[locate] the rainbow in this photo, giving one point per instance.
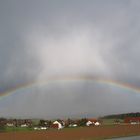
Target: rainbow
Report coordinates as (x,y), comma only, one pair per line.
(33,84)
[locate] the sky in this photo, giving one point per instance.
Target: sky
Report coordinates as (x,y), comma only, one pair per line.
(51,46)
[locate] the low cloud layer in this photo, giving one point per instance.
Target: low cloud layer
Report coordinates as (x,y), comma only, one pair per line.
(42,40)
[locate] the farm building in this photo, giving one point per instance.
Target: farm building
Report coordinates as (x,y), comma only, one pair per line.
(97,123)
(132,120)
(10,123)
(58,124)
(92,122)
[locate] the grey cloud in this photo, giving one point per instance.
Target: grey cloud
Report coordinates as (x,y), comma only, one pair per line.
(40,40)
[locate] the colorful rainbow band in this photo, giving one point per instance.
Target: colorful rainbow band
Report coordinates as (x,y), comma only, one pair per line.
(71,78)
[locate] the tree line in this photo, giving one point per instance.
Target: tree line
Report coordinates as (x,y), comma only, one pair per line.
(121,116)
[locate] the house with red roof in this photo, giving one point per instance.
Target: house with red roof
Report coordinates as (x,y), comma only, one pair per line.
(132,120)
(92,122)
(59,124)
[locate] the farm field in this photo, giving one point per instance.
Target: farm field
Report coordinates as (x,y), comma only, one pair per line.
(81,133)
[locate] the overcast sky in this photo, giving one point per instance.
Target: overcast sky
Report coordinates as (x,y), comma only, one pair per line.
(41,40)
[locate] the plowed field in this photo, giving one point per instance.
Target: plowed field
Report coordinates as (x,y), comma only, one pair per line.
(85,133)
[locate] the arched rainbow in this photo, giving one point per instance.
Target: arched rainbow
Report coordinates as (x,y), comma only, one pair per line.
(33,84)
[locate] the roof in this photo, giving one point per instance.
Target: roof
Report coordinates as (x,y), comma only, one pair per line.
(132,118)
(92,120)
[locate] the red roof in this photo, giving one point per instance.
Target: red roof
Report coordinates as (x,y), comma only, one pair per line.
(54,126)
(131,119)
(93,120)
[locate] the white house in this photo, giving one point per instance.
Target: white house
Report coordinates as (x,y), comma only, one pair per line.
(24,125)
(93,122)
(57,124)
(10,124)
(43,128)
(97,124)
(89,123)
(37,128)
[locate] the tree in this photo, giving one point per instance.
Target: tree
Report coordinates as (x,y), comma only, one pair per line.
(2,124)
(42,123)
(82,122)
(69,122)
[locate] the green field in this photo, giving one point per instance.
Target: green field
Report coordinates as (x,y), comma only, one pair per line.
(109,121)
(9,129)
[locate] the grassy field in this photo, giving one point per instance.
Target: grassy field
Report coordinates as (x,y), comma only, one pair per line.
(10,129)
(109,121)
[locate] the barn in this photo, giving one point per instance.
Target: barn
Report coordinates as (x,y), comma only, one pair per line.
(92,122)
(132,120)
(57,125)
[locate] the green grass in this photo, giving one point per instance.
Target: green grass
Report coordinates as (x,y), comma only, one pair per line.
(10,129)
(109,121)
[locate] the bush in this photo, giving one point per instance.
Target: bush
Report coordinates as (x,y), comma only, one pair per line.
(2,128)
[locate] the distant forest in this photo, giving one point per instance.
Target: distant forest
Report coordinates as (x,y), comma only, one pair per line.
(121,116)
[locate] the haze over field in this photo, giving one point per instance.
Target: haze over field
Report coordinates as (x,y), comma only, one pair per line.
(59,45)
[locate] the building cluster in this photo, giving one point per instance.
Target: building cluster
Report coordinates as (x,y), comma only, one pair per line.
(16,122)
(60,124)
(49,124)
(132,120)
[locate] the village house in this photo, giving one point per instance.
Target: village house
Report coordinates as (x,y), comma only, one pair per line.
(132,120)
(43,128)
(97,123)
(92,122)
(19,122)
(40,128)
(24,125)
(37,127)
(10,123)
(59,124)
